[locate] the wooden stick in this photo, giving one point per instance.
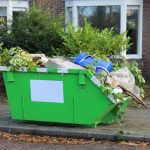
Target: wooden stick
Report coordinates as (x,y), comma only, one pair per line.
(133,96)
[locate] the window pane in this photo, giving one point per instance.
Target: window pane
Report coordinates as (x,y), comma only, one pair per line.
(3,11)
(132,28)
(3,14)
(15,15)
(69,14)
(100,16)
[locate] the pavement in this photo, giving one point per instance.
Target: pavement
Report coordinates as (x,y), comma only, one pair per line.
(135,127)
(19,145)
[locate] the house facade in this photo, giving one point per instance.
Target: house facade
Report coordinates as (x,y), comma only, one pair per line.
(124,15)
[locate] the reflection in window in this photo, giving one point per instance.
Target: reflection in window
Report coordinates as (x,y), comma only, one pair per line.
(132,28)
(100,16)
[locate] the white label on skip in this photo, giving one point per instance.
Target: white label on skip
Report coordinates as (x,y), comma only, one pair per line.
(47,91)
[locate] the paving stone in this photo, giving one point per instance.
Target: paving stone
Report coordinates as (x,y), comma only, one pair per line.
(18,145)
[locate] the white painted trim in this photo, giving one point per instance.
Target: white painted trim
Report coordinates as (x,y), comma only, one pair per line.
(75,15)
(18,9)
(95,81)
(68,4)
(21,4)
(134,56)
(4,3)
(9,13)
(140,30)
(96,2)
(123,18)
(62,70)
(134,2)
(40,69)
(111,98)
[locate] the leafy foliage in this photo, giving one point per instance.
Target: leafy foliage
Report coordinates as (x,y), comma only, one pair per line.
(4,56)
(21,58)
(16,58)
(80,39)
(36,30)
(135,69)
(139,79)
(95,41)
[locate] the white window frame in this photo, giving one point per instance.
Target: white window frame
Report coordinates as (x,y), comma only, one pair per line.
(14,5)
(123,20)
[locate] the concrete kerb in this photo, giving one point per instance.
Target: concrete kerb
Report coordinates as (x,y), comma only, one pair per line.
(65,132)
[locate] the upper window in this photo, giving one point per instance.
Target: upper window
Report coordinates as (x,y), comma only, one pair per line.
(10,9)
(120,15)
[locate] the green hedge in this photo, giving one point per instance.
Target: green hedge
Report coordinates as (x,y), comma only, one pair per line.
(36,30)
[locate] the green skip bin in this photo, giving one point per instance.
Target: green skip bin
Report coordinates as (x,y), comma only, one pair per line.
(60,95)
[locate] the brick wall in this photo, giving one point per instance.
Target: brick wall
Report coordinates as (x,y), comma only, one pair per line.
(57,6)
(146,40)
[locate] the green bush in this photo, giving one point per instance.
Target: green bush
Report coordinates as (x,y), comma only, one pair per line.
(36,30)
(139,79)
(94,41)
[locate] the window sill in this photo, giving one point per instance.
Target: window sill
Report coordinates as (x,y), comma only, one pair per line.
(137,56)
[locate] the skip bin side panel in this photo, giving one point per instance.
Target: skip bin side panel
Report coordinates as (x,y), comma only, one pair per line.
(83,103)
(91,104)
(49,111)
(14,94)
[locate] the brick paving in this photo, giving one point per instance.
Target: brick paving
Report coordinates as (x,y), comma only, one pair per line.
(18,145)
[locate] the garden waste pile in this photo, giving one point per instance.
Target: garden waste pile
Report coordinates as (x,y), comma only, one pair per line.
(119,84)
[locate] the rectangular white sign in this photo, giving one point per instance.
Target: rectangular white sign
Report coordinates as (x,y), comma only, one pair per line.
(47,91)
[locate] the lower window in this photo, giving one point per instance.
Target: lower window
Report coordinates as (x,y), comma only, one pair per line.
(133,28)
(3,15)
(100,16)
